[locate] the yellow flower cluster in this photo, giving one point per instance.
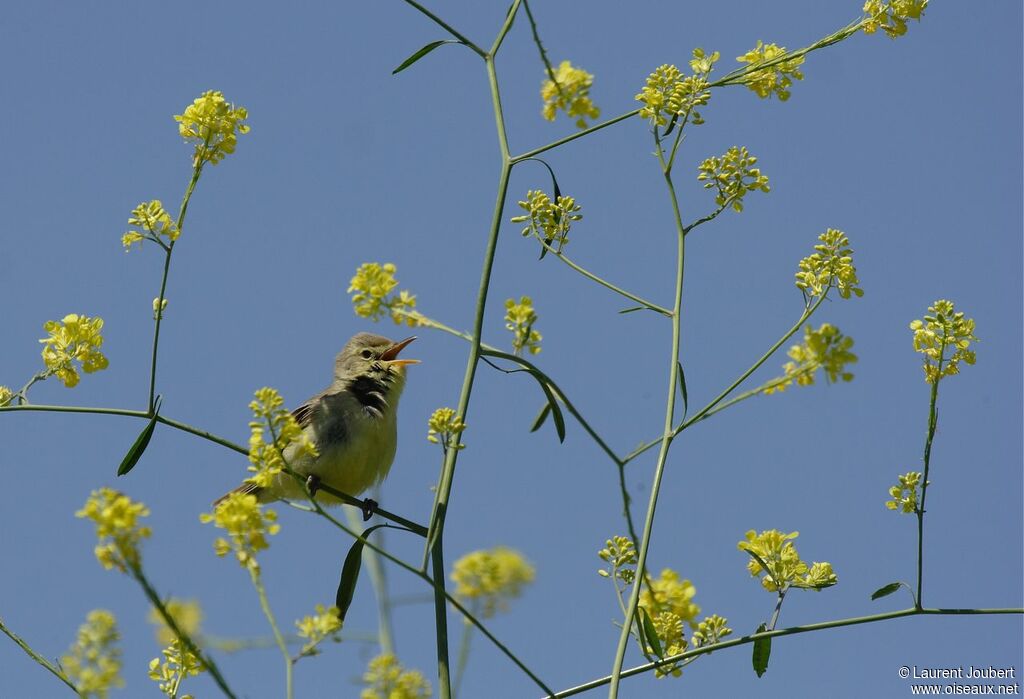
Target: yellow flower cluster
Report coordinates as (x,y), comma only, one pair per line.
(519,318)
(668,94)
(247,526)
(266,459)
(669,629)
(669,593)
(825,348)
(571,94)
(446,428)
(489,579)
(93,663)
(318,627)
(891,17)
(831,266)
(187,614)
(548,221)
(74,339)
(387,679)
(620,555)
(775,79)
(178,663)
(733,175)
(155,223)
(773,553)
(943,328)
(159,306)
(710,631)
(371,294)
(5,395)
(213,124)
(117,528)
(904,493)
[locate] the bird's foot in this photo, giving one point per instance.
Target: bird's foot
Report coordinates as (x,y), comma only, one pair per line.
(369,507)
(312,484)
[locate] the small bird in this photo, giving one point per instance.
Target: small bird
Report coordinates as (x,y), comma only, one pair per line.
(352,423)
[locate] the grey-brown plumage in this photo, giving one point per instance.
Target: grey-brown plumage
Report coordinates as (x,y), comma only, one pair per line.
(352,423)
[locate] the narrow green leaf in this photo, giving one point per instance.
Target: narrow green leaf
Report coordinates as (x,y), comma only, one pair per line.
(141,442)
(650,632)
(632,309)
(556,410)
(682,387)
(885,591)
(762,651)
(541,418)
(421,53)
(350,574)
(671,125)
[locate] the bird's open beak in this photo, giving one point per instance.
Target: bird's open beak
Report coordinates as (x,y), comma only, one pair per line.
(391,353)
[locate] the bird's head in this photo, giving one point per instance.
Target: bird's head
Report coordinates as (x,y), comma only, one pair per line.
(372,356)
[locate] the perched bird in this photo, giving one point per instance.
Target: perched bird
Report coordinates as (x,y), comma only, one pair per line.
(352,423)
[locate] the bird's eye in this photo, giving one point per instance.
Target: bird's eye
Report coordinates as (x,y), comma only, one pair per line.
(366,354)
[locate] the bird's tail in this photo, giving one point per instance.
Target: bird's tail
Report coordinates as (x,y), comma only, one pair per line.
(245,489)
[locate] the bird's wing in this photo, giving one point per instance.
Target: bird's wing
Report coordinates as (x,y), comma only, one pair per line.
(246,488)
(304,413)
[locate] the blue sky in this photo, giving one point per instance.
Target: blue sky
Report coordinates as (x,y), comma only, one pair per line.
(912,147)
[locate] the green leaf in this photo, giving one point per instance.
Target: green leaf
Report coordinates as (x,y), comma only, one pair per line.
(632,309)
(141,442)
(886,590)
(762,651)
(421,53)
(556,410)
(350,574)
(682,387)
(541,418)
(651,634)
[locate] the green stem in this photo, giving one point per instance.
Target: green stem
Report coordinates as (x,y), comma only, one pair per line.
(172,624)
(197,170)
(436,526)
(778,609)
(444,687)
(606,284)
(543,54)
(510,18)
(709,409)
(37,657)
(721,645)
(463,658)
(447,27)
(933,421)
(257,582)
(667,434)
(572,137)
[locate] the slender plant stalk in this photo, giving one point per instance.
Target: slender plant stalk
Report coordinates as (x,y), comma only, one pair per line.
(605,283)
(933,421)
(197,170)
(462,660)
(668,432)
(434,549)
(172,624)
(540,47)
(710,408)
(57,672)
(282,645)
(731,643)
(778,609)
